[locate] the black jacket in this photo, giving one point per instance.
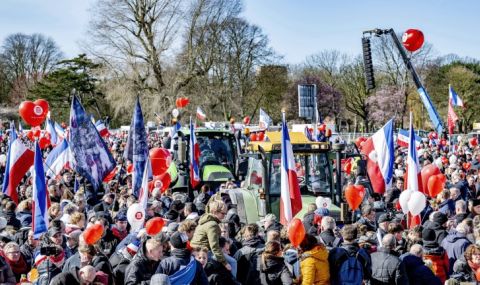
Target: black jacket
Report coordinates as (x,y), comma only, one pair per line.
(67,278)
(273,271)
(247,272)
(387,268)
(99,261)
(179,258)
(440,231)
(119,261)
(329,239)
(338,255)
(308,219)
(141,269)
(217,274)
(417,272)
(12,220)
(43,272)
(6,274)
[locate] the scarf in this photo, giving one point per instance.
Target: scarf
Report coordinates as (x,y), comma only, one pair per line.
(19,267)
(118,234)
(474,267)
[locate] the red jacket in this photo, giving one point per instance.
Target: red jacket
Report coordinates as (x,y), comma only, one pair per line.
(439,259)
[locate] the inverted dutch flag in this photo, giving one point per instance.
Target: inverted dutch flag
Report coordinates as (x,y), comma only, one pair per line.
(264,120)
(201,114)
(403,139)
(19,160)
(58,159)
(308,134)
(454,98)
(290,197)
(143,191)
(60,131)
(379,150)
(194,157)
(39,194)
(413,166)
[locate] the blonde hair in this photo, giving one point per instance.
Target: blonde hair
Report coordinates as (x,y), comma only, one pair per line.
(76,217)
(9,245)
(24,205)
(217,206)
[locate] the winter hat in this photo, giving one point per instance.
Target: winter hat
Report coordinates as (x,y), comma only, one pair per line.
(429,238)
(179,240)
(440,218)
(475,202)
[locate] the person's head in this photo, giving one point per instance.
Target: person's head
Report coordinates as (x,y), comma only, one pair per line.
(472,254)
(78,219)
(201,255)
(311,207)
(154,249)
(399,183)
(388,241)
(308,242)
(444,195)
(463,228)
(189,208)
(224,245)
(273,235)
(87,274)
(417,250)
(349,233)
(108,198)
(328,223)
(368,212)
(251,231)
(273,248)
(383,221)
(415,233)
(31,240)
(55,211)
(67,177)
(396,230)
(218,209)
(56,235)
(188,227)
(455,177)
(12,251)
(454,193)
(269,220)
(460,207)
(73,238)
(86,252)
(224,230)
(121,222)
(205,188)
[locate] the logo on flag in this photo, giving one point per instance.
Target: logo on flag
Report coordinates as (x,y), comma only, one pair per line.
(290,197)
(39,194)
(19,160)
(194,157)
(92,158)
(379,150)
(137,147)
(201,114)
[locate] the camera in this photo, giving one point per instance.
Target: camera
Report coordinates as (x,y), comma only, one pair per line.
(49,250)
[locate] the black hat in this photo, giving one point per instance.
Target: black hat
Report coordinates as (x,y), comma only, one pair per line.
(177,205)
(121,217)
(179,240)
(475,202)
(384,218)
(440,218)
(171,215)
(428,235)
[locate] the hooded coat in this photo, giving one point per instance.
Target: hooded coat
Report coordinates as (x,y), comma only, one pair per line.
(141,269)
(455,245)
(273,271)
(207,235)
(417,272)
(314,266)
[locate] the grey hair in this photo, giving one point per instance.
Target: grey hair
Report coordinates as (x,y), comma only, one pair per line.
(388,241)
(461,205)
(328,223)
(416,250)
(463,228)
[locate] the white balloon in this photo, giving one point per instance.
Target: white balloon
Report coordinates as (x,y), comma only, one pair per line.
(175,113)
(323,202)
(136,216)
(403,200)
(453,159)
(416,203)
(459,138)
(439,163)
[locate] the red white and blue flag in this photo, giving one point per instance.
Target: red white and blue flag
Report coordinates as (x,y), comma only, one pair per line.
(102,129)
(143,191)
(290,196)
(194,157)
(379,150)
(403,139)
(19,160)
(60,131)
(201,114)
(454,98)
(58,159)
(39,195)
(50,129)
(414,177)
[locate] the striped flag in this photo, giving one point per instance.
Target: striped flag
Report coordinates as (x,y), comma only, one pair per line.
(264,120)
(194,157)
(454,98)
(58,159)
(102,129)
(414,178)
(403,139)
(39,195)
(290,197)
(201,114)
(19,160)
(50,129)
(143,191)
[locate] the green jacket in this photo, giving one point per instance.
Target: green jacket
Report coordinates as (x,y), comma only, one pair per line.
(207,235)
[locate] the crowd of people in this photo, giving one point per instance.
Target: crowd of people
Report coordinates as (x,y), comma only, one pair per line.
(204,241)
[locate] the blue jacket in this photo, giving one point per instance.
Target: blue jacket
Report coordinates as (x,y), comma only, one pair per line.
(417,272)
(447,207)
(179,259)
(455,245)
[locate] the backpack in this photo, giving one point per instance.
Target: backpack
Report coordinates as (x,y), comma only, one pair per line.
(351,270)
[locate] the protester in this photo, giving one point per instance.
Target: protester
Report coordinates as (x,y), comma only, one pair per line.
(15,259)
(435,254)
(387,268)
(145,262)
(272,267)
(456,243)
(82,276)
(314,265)
(246,257)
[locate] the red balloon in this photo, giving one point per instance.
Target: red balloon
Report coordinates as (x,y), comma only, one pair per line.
(260,136)
(354,195)
(253,137)
(477,274)
(154,226)
(426,173)
(322,127)
(33,113)
(412,39)
(160,159)
(93,234)
(473,142)
(359,141)
(165,180)
(467,166)
(182,102)
(30,135)
(43,142)
(246,120)
(347,168)
(436,183)
(444,160)
(36,133)
(296,232)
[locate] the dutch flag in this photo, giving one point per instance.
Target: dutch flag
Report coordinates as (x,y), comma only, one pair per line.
(413,166)
(194,157)
(454,98)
